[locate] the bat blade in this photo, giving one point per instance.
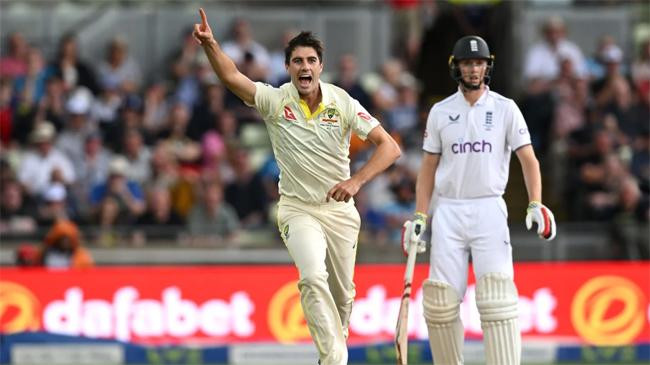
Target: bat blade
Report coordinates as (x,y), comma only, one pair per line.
(401,334)
(401,331)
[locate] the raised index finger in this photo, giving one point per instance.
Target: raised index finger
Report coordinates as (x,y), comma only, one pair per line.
(204,18)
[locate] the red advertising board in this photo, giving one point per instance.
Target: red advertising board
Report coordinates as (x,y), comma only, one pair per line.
(598,303)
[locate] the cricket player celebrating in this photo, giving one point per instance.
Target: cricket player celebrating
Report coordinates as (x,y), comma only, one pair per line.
(310,123)
(467,145)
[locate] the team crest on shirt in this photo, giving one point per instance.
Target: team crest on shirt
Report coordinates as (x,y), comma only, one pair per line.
(288,114)
(329,119)
(488,121)
(330,115)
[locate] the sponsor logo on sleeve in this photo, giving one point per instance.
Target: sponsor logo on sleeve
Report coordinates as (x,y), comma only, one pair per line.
(288,114)
(364,116)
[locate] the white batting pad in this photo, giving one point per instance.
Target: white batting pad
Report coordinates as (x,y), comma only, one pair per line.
(441,313)
(496,299)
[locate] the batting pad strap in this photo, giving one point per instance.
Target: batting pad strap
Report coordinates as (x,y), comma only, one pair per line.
(496,297)
(441,303)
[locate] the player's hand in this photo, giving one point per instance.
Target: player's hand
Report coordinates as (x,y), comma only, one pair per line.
(407,238)
(542,216)
(419,226)
(202,32)
(344,190)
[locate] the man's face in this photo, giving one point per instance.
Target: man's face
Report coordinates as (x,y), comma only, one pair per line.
(305,68)
(473,71)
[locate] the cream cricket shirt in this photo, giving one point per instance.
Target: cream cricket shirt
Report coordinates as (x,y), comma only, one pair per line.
(474,143)
(311,149)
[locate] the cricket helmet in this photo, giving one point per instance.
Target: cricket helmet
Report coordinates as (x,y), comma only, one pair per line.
(470,47)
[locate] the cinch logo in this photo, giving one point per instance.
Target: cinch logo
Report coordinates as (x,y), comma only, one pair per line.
(608,310)
(469,147)
(19,308)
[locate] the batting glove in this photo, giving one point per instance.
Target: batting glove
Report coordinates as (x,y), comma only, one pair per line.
(419,226)
(408,235)
(540,214)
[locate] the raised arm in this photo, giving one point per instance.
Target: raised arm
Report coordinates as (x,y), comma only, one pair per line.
(222,65)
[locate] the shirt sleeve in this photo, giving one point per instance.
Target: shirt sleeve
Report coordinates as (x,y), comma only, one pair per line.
(517,134)
(266,96)
(432,142)
(361,121)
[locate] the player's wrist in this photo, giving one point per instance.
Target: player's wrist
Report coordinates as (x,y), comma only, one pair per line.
(420,215)
(534,204)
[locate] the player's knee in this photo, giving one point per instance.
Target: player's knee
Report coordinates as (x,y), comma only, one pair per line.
(312,279)
(441,302)
(496,297)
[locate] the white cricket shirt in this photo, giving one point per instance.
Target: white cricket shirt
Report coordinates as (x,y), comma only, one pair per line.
(474,143)
(312,150)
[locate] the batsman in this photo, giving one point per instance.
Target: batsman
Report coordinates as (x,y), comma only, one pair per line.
(468,141)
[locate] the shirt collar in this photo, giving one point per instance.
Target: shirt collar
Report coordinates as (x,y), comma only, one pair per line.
(481,100)
(327,97)
(325,101)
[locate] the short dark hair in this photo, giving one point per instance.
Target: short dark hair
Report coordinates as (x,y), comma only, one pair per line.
(304,39)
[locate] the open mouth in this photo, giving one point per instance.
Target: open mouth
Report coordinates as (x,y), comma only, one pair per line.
(304,80)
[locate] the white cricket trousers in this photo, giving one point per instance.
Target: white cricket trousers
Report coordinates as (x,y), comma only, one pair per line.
(322,240)
(462,226)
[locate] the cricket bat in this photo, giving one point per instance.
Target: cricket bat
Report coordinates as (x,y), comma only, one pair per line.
(401,332)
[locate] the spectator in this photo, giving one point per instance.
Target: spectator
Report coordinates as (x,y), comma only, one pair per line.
(156,109)
(277,68)
(640,163)
(118,69)
(138,156)
(117,201)
(30,88)
(251,58)
(54,205)
(402,205)
(166,172)
(213,153)
(53,105)
(14,63)
(185,150)
(45,164)
(385,95)
(348,80)
(402,118)
(68,67)
(159,220)
(247,193)
(542,63)
(212,221)
(6,112)
(207,113)
(91,170)
(603,88)
(595,64)
(17,211)
(641,72)
(129,117)
(72,139)
(62,247)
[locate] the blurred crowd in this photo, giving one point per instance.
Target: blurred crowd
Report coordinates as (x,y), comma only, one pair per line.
(182,158)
